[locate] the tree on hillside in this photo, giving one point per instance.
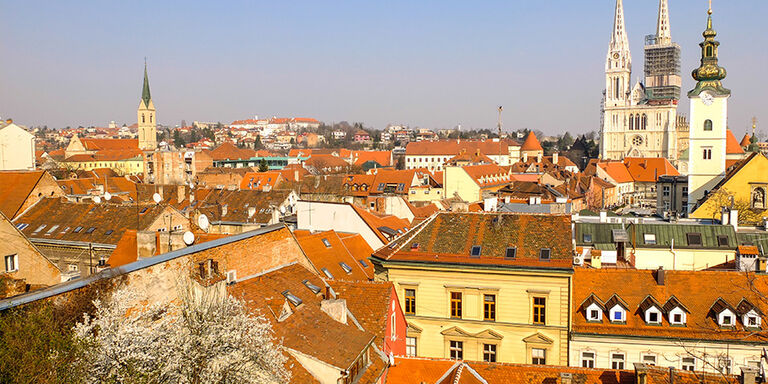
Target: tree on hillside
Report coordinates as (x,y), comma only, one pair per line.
(206,336)
(263,166)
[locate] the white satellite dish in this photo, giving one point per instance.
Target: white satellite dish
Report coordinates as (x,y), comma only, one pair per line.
(97,199)
(107,196)
(202,222)
(188,238)
(157,198)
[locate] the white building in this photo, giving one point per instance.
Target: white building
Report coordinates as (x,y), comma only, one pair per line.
(17,148)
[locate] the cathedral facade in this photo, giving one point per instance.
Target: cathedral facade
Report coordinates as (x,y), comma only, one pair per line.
(641,120)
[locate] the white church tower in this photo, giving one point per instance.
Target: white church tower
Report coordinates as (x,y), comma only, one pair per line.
(709,120)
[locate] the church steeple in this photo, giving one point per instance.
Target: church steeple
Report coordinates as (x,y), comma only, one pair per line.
(663,34)
(709,74)
(619,40)
(145,91)
(618,63)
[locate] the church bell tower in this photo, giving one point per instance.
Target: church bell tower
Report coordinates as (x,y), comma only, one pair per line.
(146,118)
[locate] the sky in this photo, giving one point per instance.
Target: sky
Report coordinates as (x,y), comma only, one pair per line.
(431,64)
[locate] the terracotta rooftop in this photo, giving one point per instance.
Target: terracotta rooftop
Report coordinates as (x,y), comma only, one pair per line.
(106,155)
(109,144)
(260,181)
(746,140)
(369,302)
(498,239)
(454,147)
(126,250)
(698,292)
(617,171)
(242,207)
(488,175)
(384,158)
(228,151)
(531,143)
(732,146)
(648,169)
(385,227)
(15,187)
(330,256)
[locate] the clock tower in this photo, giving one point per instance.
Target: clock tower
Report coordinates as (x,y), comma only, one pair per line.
(709,121)
(146,117)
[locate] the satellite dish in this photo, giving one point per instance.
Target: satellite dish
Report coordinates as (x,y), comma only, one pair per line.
(97,199)
(282,210)
(107,196)
(157,198)
(191,185)
(188,238)
(202,222)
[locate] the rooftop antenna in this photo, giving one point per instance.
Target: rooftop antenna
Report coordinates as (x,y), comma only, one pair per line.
(754,125)
(499,124)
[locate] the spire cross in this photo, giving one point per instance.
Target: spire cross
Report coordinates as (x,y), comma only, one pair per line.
(710,7)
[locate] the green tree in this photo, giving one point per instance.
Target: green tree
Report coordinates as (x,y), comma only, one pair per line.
(178,141)
(263,166)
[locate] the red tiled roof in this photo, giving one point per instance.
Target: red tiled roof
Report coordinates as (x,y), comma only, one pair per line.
(326,161)
(228,151)
(109,144)
(732,146)
(377,223)
(126,251)
(381,157)
(106,155)
(369,302)
(15,187)
(746,141)
(531,143)
(486,175)
(617,171)
(260,181)
(696,290)
(359,249)
(330,256)
(648,169)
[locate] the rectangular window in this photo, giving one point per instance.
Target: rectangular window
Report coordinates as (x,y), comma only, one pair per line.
(489,353)
(688,364)
(544,254)
(410,346)
(456,304)
(11,263)
(617,361)
(511,253)
(588,359)
(410,301)
(587,237)
(722,241)
(326,243)
(489,307)
(457,350)
(539,310)
(724,365)
(538,356)
(665,190)
(649,359)
(649,238)
(707,153)
(694,239)
(475,252)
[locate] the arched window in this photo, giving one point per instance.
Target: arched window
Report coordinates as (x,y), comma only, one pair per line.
(142,118)
(150,117)
(631,122)
(645,121)
(637,121)
(707,125)
(709,51)
(758,198)
(616,88)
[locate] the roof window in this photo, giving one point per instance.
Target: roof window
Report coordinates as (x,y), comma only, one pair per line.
(587,237)
(649,238)
(345,267)
(380,187)
(22,226)
(363,263)
(694,239)
(292,298)
(40,228)
(545,254)
(50,230)
(511,253)
(327,273)
(326,243)
(475,252)
(401,187)
(77,229)
(108,232)
(90,230)
(143,210)
(722,241)
(312,287)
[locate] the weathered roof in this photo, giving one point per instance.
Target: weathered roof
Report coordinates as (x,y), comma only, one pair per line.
(369,302)
(664,234)
(326,250)
(15,187)
(228,151)
(246,206)
(531,143)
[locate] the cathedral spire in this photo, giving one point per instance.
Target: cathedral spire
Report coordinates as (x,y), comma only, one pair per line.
(145,91)
(619,39)
(663,34)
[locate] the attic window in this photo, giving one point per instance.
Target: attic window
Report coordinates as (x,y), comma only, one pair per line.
(21,226)
(475,252)
(40,228)
(327,273)
(363,263)
(345,267)
(50,230)
(77,229)
(401,187)
(544,254)
(694,239)
(90,230)
(108,232)
(511,253)
(722,241)
(326,243)
(649,238)
(143,210)
(587,237)
(292,298)
(314,288)
(380,187)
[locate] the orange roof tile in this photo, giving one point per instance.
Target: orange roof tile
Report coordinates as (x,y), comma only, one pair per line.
(382,224)
(326,251)
(15,187)
(369,302)
(228,151)
(617,171)
(696,290)
(531,143)
(109,144)
(106,155)
(732,146)
(126,250)
(260,181)
(383,158)
(487,175)
(746,140)
(453,147)
(359,249)
(648,169)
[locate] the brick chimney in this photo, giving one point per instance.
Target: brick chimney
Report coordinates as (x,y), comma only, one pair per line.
(748,375)
(660,276)
(555,158)
(180,192)
(566,378)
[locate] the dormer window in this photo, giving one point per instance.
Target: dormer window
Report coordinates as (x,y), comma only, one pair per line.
(594,313)
(677,317)
(676,312)
(694,239)
(653,316)
(726,318)
(618,314)
(751,320)
(587,237)
(544,254)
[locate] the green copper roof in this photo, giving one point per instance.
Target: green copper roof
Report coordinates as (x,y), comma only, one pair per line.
(709,74)
(145,91)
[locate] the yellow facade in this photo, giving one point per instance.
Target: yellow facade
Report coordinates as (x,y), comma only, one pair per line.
(134,166)
(682,259)
(457,182)
(426,193)
(748,187)
(512,332)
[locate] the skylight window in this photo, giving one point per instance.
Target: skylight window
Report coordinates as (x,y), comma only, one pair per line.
(143,210)
(544,254)
(345,267)
(722,241)
(109,232)
(587,237)
(21,226)
(400,187)
(312,287)
(381,187)
(327,273)
(63,231)
(90,230)
(694,239)
(50,230)
(649,238)
(77,229)
(292,298)
(326,243)
(363,263)
(511,253)
(475,252)
(40,228)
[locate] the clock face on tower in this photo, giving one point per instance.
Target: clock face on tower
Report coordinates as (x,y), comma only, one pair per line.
(615,55)
(707,98)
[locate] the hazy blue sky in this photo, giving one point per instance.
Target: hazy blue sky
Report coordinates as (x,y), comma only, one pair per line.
(426,63)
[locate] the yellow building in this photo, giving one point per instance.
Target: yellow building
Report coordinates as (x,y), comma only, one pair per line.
(486,287)
(146,117)
(746,182)
(469,182)
(123,162)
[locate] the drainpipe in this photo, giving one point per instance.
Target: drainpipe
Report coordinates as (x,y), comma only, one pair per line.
(674,254)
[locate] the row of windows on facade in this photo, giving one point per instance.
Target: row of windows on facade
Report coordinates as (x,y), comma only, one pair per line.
(143,118)
(693,239)
(676,315)
(456,351)
(489,306)
(618,360)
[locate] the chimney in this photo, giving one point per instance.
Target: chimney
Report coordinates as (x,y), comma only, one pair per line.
(145,244)
(734,219)
(336,309)
(566,377)
(660,276)
(748,375)
(525,157)
(191,196)
(296,175)
(671,375)
(538,157)
(251,212)
(224,209)
(555,158)
(603,216)
(180,192)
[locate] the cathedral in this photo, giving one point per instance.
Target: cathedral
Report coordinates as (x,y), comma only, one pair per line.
(641,120)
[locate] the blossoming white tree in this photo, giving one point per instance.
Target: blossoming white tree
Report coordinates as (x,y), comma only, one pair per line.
(205,336)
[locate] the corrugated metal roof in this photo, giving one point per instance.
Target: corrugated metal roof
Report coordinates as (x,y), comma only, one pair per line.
(664,234)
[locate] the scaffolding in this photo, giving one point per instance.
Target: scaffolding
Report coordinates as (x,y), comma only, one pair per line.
(662,70)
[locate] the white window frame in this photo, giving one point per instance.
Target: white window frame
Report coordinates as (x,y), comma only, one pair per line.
(586,359)
(653,355)
(751,315)
(684,365)
(726,313)
(591,308)
(12,259)
(649,238)
(408,346)
(677,311)
(615,361)
(620,309)
(648,312)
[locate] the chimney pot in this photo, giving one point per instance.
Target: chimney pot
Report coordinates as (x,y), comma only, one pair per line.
(660,276)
